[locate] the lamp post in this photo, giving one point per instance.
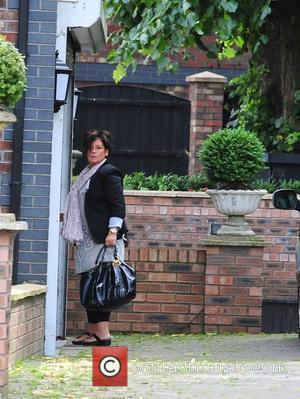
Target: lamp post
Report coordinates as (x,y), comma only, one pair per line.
(62,79)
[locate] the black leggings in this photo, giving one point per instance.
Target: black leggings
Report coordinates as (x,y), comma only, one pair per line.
(96,317)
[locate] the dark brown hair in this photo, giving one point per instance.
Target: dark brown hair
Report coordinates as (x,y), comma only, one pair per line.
(104,135)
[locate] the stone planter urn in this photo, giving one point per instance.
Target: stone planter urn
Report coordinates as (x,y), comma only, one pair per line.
(6,117)
(236,204)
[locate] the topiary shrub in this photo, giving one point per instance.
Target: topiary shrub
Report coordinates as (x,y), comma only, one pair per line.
(231,158)
(12,74)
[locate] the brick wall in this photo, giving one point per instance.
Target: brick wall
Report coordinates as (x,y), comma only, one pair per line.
(6,250)
(166,228)
(27,319)
(233,288)
(170,286)
(37,144)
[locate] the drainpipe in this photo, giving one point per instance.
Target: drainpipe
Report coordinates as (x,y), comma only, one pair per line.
(16,181)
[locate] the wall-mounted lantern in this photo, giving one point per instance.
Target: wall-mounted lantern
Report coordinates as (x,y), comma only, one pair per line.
(62,80)
(77,94)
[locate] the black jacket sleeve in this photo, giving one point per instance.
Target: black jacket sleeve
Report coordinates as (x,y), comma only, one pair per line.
(113,190)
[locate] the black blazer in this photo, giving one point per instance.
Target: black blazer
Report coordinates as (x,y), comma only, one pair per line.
(104,199)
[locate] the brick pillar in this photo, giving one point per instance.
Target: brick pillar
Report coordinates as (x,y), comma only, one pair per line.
(207,96)
(8,229)
(233,284)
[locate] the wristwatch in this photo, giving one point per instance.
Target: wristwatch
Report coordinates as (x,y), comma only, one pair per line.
(113,230)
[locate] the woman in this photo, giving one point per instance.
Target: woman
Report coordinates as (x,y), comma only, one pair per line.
(94,217)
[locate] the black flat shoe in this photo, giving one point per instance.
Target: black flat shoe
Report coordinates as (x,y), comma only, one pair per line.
(102,342)
(97,342)
(79,342)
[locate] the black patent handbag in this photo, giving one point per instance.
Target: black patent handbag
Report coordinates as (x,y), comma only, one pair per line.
(108,285)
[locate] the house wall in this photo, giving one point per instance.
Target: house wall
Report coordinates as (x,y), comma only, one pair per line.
(9,16)
(38,125)
(165,248)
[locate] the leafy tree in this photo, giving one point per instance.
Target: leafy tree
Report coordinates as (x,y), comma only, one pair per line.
(162,31)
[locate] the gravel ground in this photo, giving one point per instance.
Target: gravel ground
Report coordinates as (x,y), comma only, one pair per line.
(170,366)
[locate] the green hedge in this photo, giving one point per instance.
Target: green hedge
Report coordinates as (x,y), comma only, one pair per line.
(198,182)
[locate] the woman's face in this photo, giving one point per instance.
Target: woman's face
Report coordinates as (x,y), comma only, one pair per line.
(97,153)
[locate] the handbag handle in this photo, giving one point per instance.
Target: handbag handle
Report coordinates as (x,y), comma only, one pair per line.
(103,249)
(115,262)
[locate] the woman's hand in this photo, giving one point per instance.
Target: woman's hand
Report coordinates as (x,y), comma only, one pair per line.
(111,240)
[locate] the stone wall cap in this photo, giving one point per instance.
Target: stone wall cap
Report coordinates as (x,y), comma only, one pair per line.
(21,291)
(206,77)
(157,193)
(236,241)
(8,222)
(187,194)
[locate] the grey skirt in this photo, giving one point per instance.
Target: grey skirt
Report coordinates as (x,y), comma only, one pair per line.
(87,252)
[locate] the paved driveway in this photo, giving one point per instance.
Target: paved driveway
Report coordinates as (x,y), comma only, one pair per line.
(172,366)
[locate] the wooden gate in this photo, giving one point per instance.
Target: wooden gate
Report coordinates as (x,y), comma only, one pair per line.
(150,128)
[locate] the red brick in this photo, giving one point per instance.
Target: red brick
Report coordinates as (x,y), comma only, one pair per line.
(3,301)
(145,287)
(218,123)
(162,276)
(176,287)
(220,260)
(189,298)
(257,252)
(183,255)
(163,255)
(133,254)
(193,255)
(197,289)
(151,327)
(219,280)
(146,307)
(249,261)
(251,301)
(240,271)
(212,309)
(233,290)
(146,266)
(254,311)
(211,289)
(153,255)
(161,297)
(174,308)
(198,269)
(173,255)
(140,297)
(255,291)
(217,319)
(143,254)
(184,277)
(213,250)
(234,310)
(213,269)
(5,286)
(120,326)
(130,317)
